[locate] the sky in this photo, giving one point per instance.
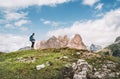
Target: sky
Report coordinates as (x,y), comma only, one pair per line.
(97,21)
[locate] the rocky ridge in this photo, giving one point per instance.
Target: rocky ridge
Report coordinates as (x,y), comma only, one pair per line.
(62,42)
(83,70)
(117,39)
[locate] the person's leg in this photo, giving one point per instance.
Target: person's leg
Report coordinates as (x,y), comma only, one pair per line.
(32,46)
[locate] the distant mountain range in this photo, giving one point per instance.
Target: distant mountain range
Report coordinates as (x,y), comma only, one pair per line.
(25,48)
(94,48)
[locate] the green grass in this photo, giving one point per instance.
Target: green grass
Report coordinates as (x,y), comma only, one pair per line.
(10,68)
(98,62)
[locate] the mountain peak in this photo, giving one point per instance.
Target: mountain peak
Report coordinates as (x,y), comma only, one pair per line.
(62,42)
(117,39)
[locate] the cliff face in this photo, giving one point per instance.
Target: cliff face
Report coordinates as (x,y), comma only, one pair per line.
(113,49)
(117,39)
(62,42)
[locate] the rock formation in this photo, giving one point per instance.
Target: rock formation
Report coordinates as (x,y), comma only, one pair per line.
(83,70)
(113,49)
(117,39)
(62,42)
(77,42)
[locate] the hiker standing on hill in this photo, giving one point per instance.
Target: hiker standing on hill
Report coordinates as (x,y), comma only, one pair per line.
(32,40)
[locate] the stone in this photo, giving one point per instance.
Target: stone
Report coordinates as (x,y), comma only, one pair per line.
(48,63)
(39,67)
(99,75)
(74,66)
(106,51)
(68,65)
(26,59)
(78,53)
(81,69)
(110,64)
(118,73)
(112,74)
(89,55)
(65,57)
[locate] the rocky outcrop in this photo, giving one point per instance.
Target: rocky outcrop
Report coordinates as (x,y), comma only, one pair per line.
(113,49)
(117,39)
(106,51)
(39,67)
(62,42)
(83,70)
(77,42)
(28,59)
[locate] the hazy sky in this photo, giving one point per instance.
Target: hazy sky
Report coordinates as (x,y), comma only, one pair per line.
(97,21)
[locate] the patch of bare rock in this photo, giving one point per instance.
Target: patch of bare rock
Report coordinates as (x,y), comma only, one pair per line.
(83,70)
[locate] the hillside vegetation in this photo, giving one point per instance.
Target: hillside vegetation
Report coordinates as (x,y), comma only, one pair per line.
(115,48)
(13,67)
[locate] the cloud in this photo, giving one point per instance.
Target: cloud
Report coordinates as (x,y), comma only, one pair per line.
(21,22)
(99,6)
(9,26)
(101,31)
(118,0)
(48,22)
(89,2)
(2,21)
(13,19)
(13,15)
(12,4)
(9,42)
(99,14)
(23,28)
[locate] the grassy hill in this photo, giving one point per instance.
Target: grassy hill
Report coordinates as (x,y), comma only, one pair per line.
(13,67)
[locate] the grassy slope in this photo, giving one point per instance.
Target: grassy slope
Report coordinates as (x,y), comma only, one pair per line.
(10,68)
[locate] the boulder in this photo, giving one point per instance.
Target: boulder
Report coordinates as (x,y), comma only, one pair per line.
(39,67)
(48,63)
(82,69)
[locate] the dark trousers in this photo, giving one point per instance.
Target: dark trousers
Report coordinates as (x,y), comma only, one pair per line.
(32,46)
